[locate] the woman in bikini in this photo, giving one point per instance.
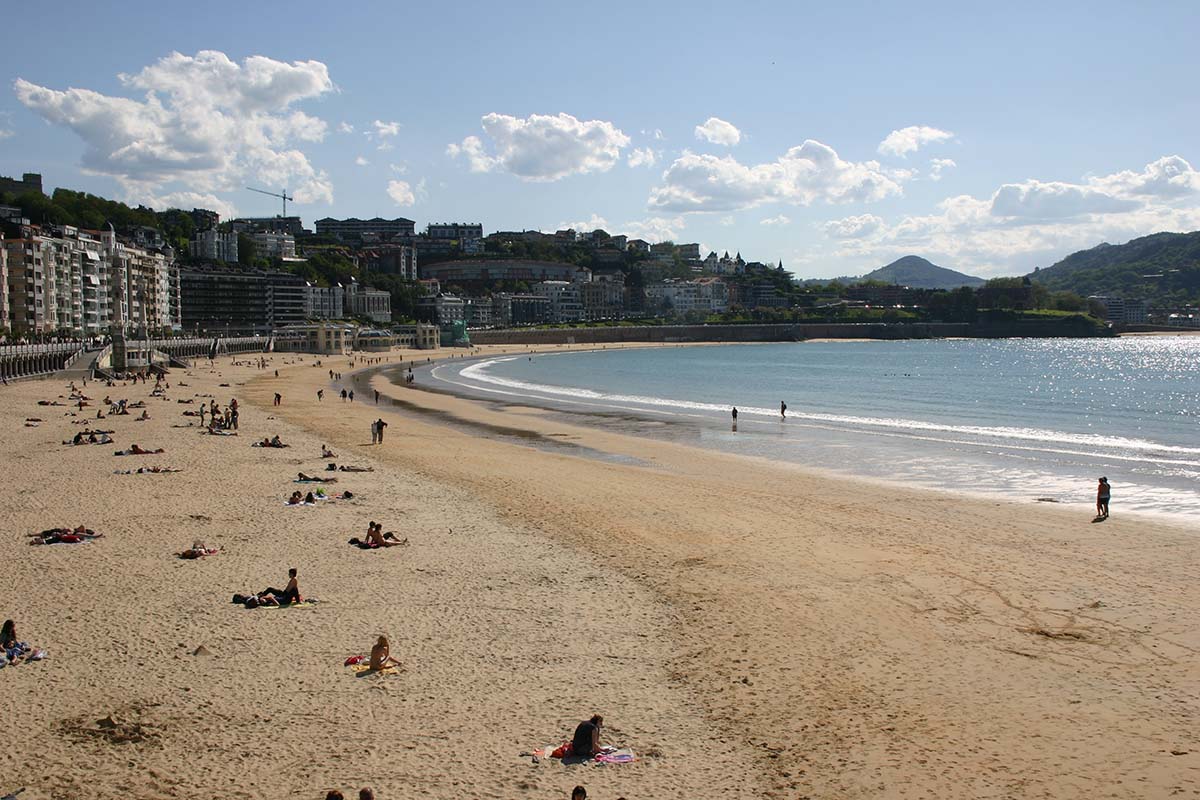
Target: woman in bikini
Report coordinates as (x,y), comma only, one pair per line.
(381,656)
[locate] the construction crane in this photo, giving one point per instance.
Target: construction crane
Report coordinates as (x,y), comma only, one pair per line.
(283,196)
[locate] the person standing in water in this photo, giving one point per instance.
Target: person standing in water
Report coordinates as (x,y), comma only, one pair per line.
(1103,494)
(782,410)
(734,415)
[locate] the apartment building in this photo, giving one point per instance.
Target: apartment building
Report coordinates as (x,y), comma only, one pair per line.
(354,228)
(564,296)
(603,298)
(216,298)
(274,244)
(391,259)
(454,230)
(363,301)
(212,245)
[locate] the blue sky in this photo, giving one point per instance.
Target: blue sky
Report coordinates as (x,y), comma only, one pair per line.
(835,137)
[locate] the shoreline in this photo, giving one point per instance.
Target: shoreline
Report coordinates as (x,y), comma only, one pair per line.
(750,631)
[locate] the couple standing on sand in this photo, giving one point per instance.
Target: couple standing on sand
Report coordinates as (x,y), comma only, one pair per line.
(377,431)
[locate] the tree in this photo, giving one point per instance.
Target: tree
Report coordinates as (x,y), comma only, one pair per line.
(247,250)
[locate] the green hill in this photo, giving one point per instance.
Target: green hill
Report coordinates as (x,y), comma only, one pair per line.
(1162,268)
(918,273)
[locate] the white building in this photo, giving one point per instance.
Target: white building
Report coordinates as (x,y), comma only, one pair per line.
(566,305)
(213,245)
(324,302)
(87,283)
(705,295)
(363,301)
(1123,311)
(273,244)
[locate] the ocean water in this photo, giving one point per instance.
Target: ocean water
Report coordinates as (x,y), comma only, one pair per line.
(1026,418)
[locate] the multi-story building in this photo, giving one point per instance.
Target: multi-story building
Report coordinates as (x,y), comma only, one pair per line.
(30,182)
(454,230)
(292,225)
(212,245)
(354,228)
(487,270)
(88,283)
(688,252)
(5,320)
(604,297)
(564,297)
(324,302)
(1123,310)
(704,295)
(442,310)
(363,301)
(391,259)
(479,312)
(274,244)
(510,310)
(240,301)
(203,219)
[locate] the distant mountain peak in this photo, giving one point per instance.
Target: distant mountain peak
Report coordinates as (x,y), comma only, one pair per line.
(920,273)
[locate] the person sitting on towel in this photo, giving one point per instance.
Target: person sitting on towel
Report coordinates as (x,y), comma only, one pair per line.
(381,657)
(291,594)
(586,742)
(296,499)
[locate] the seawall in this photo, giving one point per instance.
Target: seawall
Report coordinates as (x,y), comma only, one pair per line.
(718,333)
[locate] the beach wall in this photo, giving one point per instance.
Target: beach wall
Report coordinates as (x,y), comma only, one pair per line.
(720,333)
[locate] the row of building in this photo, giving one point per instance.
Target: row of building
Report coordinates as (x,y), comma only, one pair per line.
(90,283)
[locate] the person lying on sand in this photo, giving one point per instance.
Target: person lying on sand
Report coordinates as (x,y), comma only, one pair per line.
(146,471)
(199,550)
(64,536)
(134,450)
(302,478)
(381,656)
(351,468)
(274,441)
(145,416)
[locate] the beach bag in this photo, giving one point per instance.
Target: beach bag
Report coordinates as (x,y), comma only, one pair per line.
(563,750)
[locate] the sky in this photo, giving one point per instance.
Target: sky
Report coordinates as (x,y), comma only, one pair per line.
(836,137)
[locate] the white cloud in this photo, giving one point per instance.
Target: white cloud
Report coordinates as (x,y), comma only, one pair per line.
(4,133)
(776,220)
(1033,223)
(939,165)
(803,175)
(1034,200)
(642,157)
(911,139)
(1168,177)
(362,162)
(399,169)
(345,127)
(401,193)
(542,147)
(655,229)
(852,227)
(595,222)
(718,131)
(204,121)
(385,129)
(188,200)
(727,220)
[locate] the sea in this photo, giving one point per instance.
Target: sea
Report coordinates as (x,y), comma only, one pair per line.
(1029,419)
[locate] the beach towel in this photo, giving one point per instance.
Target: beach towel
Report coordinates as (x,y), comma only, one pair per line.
(622,756)
(611,755)
(309,603)
(63,536)
(363,670)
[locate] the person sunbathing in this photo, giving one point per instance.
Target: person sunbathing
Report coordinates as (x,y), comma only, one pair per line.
(303,478)
(377,538)
(296,499)
(199,550)
(309,499)
(327,453)
(381,656)
(351,468)
(277,442)
(134,450)
(145,416)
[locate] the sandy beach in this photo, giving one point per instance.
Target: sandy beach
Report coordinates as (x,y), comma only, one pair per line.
(748,629)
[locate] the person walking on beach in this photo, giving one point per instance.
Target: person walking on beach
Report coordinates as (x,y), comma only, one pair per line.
(379,426)
(782,410)
(278,398)
(1103,493)
(343,395)
(376,397)
(374,433)
(351,395)
(320,395)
